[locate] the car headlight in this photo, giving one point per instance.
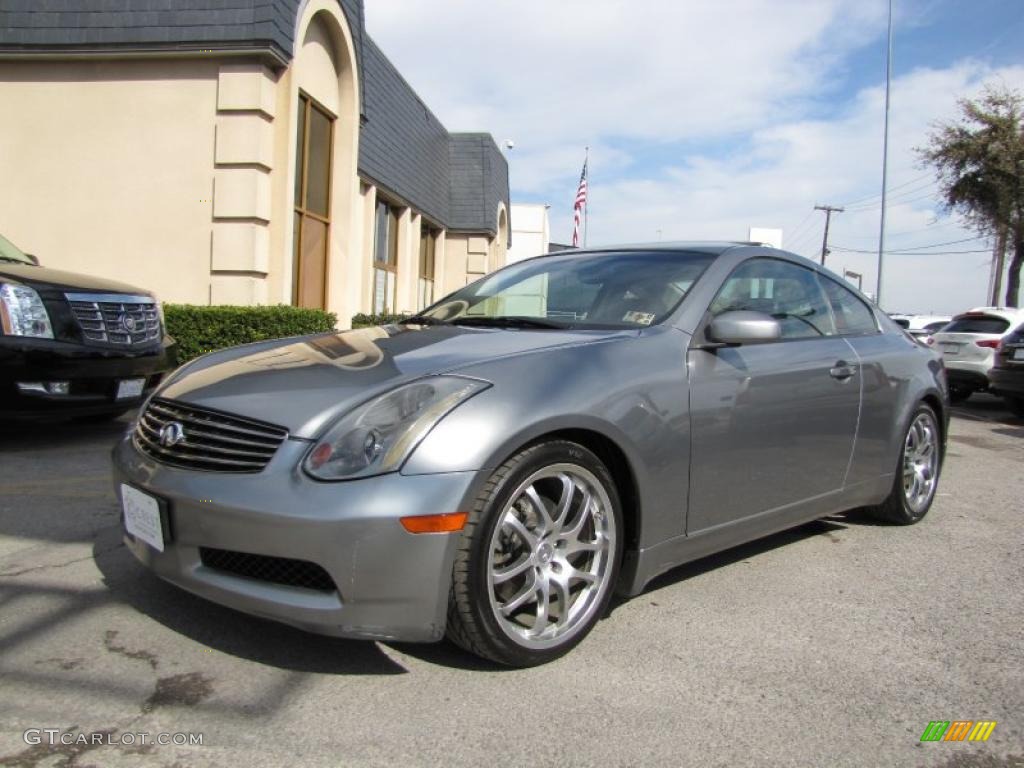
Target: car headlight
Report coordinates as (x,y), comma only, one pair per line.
(22,312)
(378,436)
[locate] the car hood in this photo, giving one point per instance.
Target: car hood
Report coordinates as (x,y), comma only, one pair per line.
(57,280)
(304,384)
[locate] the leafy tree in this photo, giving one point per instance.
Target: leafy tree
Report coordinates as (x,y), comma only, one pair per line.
(979,161)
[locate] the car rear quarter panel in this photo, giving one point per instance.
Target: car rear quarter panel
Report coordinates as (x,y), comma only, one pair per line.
(631,390)
(897,373)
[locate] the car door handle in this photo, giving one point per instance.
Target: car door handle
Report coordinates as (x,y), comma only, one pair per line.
(842,370)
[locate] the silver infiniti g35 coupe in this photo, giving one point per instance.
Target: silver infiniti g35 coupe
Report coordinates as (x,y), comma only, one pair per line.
(494,467)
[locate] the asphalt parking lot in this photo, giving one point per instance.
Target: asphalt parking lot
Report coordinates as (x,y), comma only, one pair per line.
(831,644)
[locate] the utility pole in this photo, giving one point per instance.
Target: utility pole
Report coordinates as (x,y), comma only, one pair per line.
(829,210)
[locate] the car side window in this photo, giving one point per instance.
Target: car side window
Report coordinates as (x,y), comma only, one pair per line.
(851,314)
(788,292)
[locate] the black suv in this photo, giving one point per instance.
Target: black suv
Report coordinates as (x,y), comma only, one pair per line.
(73,345)
(1007,375)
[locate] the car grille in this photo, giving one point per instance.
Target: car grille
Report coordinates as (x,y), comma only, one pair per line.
(115,319)
(208,440)
(278,570)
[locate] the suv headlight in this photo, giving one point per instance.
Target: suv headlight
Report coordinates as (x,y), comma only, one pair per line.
(378,436)
(22,312)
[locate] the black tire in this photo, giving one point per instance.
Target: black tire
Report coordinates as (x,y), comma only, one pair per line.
(1016,405)
(473,623)
(959,395)
(896,509)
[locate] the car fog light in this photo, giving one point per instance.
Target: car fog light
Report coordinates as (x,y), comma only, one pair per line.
(45,387)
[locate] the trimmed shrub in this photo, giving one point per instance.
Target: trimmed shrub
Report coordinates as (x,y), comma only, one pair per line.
(369,321)
(199,329)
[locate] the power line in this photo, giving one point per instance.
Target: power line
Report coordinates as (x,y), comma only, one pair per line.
(898,186)
(896,198)
(907,253)
(948,242)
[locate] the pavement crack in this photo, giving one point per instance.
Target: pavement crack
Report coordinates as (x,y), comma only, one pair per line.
(65,564)
(109,643)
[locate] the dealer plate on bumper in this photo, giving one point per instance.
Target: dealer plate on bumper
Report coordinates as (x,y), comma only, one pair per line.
(128,388)
(142,517)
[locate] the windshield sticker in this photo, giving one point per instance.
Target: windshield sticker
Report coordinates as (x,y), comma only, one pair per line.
(641,318)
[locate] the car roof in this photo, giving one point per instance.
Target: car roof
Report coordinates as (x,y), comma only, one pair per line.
(702,246)
(1006,313)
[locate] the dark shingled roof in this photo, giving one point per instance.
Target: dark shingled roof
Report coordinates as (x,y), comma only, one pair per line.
(457,180)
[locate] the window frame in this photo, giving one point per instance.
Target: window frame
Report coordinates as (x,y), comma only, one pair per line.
(428,242)
(390,266)
(708,316)
(853,334)
(306,105)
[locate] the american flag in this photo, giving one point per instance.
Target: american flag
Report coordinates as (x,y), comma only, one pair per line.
(578,206)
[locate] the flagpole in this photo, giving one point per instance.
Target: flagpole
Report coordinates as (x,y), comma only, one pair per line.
(586,205)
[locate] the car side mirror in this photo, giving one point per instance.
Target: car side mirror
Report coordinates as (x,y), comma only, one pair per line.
(32,258)
(743,327)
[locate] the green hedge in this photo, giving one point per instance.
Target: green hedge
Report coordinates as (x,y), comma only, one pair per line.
(369,321)
(199,330)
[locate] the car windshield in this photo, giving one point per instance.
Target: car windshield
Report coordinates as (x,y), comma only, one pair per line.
(629,289)
(10,252)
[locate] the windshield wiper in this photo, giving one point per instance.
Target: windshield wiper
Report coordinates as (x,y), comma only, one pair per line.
(511,321)
(13,260)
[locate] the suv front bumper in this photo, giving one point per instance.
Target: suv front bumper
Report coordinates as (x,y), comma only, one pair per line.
(93,374)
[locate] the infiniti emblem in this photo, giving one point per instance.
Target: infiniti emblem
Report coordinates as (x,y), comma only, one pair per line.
(128,322)
(171,434)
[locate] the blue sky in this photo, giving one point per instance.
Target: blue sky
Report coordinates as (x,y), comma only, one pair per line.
(705,118)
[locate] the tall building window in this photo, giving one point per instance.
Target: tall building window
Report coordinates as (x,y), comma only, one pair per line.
(313,148)
(428,243)
(385,258)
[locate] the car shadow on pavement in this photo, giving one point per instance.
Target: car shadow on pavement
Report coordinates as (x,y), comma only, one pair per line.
(231,632)
(59,435)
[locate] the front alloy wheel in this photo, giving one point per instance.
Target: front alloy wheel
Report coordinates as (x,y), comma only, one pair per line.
(538,558)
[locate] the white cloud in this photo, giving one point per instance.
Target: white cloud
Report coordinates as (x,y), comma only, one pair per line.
(703,118)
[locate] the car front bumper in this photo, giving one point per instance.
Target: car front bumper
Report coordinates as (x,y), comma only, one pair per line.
(93,374)
(390,584)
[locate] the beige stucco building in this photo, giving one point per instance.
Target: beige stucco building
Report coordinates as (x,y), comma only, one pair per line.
(224,155)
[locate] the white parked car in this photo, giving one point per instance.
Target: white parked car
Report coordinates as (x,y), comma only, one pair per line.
(921,326)
(968,345)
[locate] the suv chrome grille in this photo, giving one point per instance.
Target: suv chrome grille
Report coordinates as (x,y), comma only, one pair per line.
(113,318)
(205,440)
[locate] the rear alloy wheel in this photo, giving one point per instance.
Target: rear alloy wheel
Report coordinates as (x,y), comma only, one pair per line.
(538,557)
(918,472)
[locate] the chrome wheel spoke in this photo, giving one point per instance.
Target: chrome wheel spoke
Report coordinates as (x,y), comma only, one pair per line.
(529,538)
(564,502)
(503,575)
(563,598)
(542,511)
(543,591)
(522,597)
